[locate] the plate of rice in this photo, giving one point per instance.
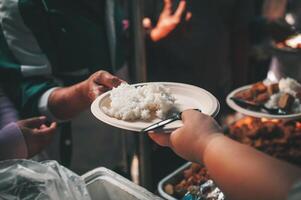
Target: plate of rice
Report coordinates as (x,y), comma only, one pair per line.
(135,107)
(285,94)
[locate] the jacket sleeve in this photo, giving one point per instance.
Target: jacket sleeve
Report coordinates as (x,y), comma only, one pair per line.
(24,91)
(25,71)
(8,112)
(12,143)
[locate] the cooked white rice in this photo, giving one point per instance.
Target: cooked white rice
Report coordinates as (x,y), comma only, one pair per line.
(273,101)
(290,86)
(132,103)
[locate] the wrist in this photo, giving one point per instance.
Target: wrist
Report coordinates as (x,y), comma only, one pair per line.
(82,91)
(205,144)
(66,102)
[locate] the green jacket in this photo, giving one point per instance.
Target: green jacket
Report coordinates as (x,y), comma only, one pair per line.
(49,43)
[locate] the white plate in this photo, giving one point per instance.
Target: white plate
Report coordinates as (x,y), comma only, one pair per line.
(187,97)
(252,113)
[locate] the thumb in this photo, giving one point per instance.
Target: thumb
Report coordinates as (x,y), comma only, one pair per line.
(186,115)
(46,131)
(106,79)
(147,23)
(34,122)
(96,91)
(191,115)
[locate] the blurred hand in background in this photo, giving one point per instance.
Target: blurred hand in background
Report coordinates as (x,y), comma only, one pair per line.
(168,20)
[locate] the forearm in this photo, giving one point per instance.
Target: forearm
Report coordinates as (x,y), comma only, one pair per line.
(245,173)
(65,103)
(274,9)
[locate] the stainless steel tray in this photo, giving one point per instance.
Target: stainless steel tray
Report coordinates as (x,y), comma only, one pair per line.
(103,183)
(172,178)
(177,176)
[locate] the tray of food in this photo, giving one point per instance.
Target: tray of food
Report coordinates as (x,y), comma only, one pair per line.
(278,138)
(280,100)
(190,181)
(135,107)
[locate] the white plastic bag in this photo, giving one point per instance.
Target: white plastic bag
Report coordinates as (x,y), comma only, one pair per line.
(29,180)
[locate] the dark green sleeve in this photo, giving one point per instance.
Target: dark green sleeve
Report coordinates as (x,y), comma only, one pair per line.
(32,89)
(24,92)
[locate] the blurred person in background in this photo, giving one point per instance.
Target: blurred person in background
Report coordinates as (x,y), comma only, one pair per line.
(276,21)
(282,21)
(240,171)
(209,51)
(62,55)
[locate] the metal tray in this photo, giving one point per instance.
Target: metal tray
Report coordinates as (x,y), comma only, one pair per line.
(172,178)
(103,183)
(175,177)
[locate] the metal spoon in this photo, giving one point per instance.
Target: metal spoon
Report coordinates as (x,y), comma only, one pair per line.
(160,124)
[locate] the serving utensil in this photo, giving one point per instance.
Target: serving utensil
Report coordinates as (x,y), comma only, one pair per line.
(160,124)
(255,106)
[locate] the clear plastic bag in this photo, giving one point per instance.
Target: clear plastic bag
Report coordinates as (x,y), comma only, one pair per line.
(29,180)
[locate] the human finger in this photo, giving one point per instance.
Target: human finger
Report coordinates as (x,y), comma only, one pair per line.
(181,9)
(95,91)
(47,130)
(190,114)
(43,126)
(98,90)
(34,122)
(167,9)
(107,79)
(159,138)
(188,16)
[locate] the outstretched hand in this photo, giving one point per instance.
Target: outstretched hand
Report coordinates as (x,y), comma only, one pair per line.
(168,20)
(100,82)
(64,103)
(37,135)
(191,139)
